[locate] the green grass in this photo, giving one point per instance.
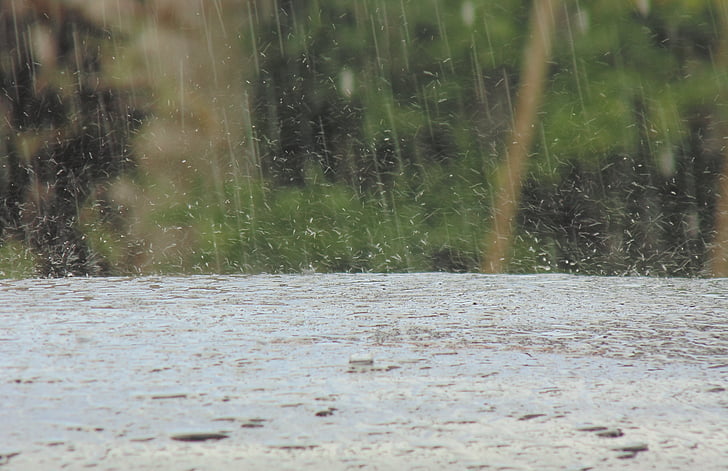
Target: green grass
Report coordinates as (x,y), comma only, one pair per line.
(16,261)
(331,228)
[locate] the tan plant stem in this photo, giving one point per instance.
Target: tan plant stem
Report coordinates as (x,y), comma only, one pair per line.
(509,176)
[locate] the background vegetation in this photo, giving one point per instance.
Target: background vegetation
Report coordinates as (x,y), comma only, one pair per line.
(340,135)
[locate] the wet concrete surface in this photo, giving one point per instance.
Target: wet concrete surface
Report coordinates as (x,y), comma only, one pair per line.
(415,371)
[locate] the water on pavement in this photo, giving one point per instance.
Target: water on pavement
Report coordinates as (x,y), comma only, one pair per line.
(364,371)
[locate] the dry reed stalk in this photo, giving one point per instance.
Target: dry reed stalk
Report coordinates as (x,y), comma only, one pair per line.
(509,176)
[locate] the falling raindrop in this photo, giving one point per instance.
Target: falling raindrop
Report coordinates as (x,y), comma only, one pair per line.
(346,82)
(467,11)
(360,136)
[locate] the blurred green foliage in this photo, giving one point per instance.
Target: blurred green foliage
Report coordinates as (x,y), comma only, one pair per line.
(378,126)
(16,261)
(403,110)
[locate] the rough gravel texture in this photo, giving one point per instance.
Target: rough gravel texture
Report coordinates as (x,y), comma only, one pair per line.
(415,371)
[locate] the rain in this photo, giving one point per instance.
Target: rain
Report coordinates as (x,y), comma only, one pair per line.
(335,213)
(370,136)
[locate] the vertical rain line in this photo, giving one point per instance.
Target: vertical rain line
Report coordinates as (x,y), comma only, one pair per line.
(33,61)
(426,104)
(572,47)
(278,27)
(400,164)
(234,170)
(154,27)
(253,40)
(15,30)
(395,135)
(182,94)
(376,46)
(406,41)
(480,91)
(208,38)
(490,43)
(118,15)
(443,32)
(386,33)
(324,146)
(218,10)
(251,137)
(79,61)
(507,84)
(18,52)
(547,154)
(254,162)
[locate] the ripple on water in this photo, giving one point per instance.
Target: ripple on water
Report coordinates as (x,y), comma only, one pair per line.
(390,370)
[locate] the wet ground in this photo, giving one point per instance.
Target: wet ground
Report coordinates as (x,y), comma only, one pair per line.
(417,371)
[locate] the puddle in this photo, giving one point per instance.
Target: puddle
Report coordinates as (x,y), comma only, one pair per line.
(364,371)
